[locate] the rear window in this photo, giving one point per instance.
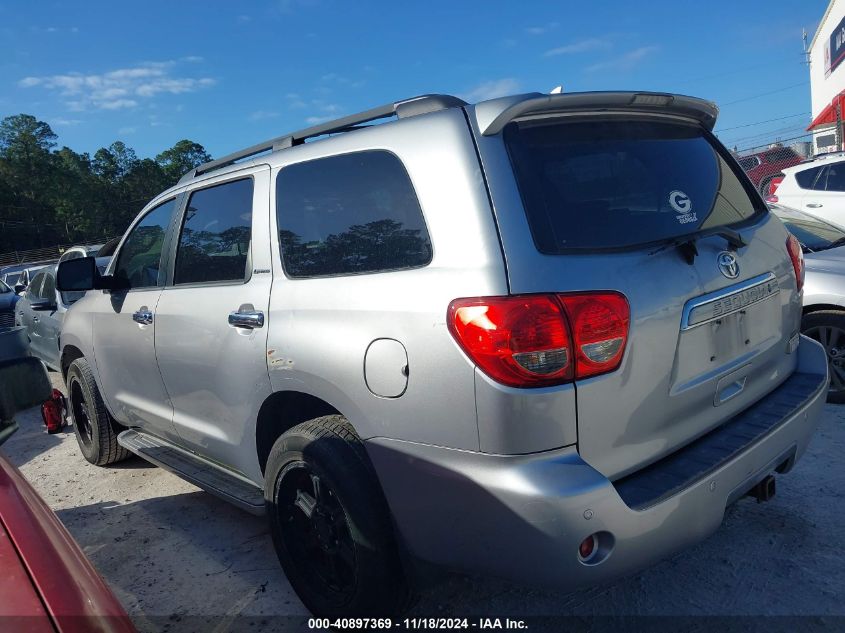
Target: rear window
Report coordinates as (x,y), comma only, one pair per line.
(348,215)
(590,185)
(807,178)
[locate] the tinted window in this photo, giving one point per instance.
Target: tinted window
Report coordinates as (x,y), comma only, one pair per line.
(806,178)
(48,288)
(349,214)
(34,287)
(139,259)
(616,184)
(747,163)
(836,177)
(214,242)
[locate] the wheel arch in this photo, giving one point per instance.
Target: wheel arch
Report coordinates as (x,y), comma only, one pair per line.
(282,410)
(69,354)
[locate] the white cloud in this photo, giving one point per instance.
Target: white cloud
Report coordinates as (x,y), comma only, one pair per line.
(491,90)
(120,88)
(541,30)
(581,46)
(65,122)
(244,19)
(260,115)
(624,62)
(192,59)
(314,120)
(127,130)
(117,104)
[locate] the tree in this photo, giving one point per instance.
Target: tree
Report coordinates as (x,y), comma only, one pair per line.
(25,169)
(24,138)
(181,158)
(114,162)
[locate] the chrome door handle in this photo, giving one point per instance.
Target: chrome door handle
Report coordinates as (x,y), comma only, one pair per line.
(142,316)
(250,319)
(814,205)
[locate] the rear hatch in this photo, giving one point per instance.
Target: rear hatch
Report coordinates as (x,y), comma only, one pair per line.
(637,203)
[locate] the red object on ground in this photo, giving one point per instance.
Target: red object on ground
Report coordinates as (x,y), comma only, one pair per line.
(54,412)
(46,582)
(774,183)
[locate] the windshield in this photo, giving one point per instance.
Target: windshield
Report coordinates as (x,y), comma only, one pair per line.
(609,184)
(814,234)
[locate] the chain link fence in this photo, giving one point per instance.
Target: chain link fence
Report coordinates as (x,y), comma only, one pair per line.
(42,255)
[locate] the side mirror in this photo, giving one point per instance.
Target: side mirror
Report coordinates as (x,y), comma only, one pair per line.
(81,274)
(19,288)
(43,305)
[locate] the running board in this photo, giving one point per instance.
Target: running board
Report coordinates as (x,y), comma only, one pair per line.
(200,472)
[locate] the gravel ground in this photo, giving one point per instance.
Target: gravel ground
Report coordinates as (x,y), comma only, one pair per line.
(174,554)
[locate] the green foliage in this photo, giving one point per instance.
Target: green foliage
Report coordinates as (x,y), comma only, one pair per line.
(50,196)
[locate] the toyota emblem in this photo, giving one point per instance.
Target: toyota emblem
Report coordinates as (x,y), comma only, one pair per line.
(728,265)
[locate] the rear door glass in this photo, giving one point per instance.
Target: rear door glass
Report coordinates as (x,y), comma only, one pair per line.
(592,185)
(807,179)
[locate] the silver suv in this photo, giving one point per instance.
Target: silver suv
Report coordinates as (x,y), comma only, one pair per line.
(544,337)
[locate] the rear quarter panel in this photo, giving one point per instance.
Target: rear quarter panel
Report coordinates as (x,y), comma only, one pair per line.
(321,328)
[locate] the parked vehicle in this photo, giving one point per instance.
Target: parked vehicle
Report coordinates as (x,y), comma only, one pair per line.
(41,311)
(763,166)
(548,338)
(11,273)
(8,299)
(824,289)
(47,583)
(26,277)
(817,187)
(75,252)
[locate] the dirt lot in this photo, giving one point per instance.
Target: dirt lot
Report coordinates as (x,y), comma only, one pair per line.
(175,555)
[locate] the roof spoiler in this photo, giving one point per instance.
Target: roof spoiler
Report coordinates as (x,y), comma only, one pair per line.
(705,112)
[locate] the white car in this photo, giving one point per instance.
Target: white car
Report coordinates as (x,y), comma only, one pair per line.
(817,187)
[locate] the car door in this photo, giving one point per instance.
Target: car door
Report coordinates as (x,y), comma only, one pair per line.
(48,322)
(26,315)
(211,334)
(124,325)
(826,198)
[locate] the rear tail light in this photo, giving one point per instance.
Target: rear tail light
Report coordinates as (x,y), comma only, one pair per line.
(773,185)
(772,199)
(542,340)
(796,254)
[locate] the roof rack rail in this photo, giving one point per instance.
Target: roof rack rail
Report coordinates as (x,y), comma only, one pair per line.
(407,107)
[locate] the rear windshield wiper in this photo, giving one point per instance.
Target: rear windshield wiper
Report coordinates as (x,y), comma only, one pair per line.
(688,249)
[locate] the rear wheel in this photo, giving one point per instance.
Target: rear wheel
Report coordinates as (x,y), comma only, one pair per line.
(95,430)
(828,328)
(330,523)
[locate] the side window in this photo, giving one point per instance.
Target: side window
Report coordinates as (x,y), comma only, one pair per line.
(216,232)
(48,288)
(32,290)
(806,178)
(349,214)
(836,177)
(139,259)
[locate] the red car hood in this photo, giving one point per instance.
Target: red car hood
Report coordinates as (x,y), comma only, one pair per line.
(43,572)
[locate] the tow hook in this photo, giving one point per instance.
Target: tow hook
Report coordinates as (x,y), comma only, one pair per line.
(764,490)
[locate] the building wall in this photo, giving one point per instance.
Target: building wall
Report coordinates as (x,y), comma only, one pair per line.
(824,88)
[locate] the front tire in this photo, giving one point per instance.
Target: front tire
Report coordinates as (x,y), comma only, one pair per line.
(95,430)
(828,328)
(330,523)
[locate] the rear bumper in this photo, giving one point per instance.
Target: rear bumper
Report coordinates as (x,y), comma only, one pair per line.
(522,517)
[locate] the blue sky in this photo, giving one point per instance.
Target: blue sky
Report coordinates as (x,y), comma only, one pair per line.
(228,74)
